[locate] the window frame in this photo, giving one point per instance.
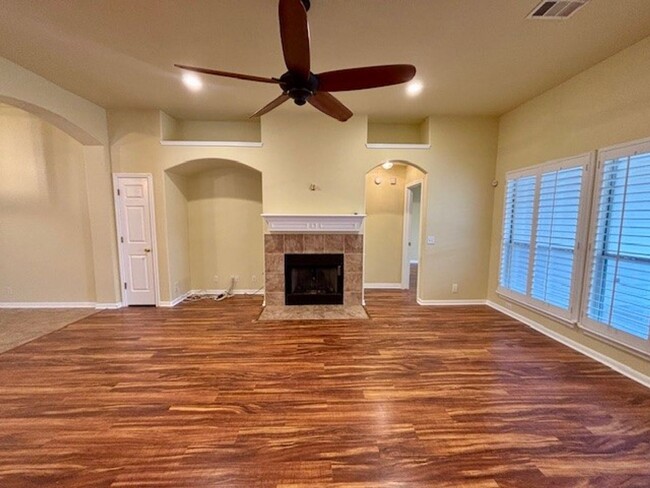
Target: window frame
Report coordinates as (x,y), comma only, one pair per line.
(589,325)
(570,316)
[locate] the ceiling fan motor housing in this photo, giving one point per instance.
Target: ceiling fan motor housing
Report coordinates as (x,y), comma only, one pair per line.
(297,88)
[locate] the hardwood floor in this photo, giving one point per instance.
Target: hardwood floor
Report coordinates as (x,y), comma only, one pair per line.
(202,395)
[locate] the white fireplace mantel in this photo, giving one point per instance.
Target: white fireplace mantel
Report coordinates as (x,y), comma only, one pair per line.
(323,223)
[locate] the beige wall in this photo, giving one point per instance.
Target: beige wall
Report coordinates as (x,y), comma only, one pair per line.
(225,227)
(304,148)
(396,133)
(46,250)
(605,105)
(178,236)
(384,225)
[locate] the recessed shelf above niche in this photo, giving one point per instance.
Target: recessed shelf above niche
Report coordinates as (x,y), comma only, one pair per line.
(398,135)
(218,133)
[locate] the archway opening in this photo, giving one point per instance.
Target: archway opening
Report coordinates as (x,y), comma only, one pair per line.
(394,192)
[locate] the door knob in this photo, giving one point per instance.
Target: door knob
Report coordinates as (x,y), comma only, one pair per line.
(147,250)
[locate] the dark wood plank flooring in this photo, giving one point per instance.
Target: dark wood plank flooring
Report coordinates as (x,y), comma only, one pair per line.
(203,396)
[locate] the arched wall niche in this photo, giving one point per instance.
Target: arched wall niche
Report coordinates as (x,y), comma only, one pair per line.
(214,209)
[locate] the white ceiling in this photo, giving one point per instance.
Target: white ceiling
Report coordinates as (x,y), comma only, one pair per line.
(473,56)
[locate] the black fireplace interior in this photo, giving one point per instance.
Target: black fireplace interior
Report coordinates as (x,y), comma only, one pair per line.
(313,279)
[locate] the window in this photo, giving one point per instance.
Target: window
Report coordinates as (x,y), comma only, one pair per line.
(618,291)
(541,235)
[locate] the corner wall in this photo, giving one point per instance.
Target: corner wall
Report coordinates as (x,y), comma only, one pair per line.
(605,105)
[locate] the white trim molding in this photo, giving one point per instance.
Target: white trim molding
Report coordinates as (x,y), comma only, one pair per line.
(383,145)
(324,223)
(576,346)
(48,305)
(447,303)
(203,292)
(168,142)
(382,286)
(108,306)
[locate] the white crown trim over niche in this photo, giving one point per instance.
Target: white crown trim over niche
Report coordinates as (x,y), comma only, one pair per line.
(314,223)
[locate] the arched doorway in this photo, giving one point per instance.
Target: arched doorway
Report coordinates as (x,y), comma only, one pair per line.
(394,191)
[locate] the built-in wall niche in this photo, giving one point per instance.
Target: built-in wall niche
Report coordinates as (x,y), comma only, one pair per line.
(406,135)
(180,132)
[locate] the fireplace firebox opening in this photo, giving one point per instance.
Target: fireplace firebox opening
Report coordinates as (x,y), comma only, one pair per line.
(313,279)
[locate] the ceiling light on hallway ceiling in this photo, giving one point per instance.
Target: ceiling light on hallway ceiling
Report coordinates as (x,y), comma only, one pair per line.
(414,88)
(387,165)
(192,81)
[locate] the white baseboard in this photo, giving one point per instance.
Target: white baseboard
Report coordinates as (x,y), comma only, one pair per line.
(47,304)
(177,300)
(237,291)
(447,303)
(108,306)
(382,286)
(576,346)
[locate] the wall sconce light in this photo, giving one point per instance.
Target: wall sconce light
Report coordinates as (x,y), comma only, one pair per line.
(387,165)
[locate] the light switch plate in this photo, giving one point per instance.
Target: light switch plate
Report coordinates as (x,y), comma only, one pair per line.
(431,240)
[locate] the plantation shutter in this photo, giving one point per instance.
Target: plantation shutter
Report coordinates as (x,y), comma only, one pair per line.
(556,236)
(517,231)
(619,284)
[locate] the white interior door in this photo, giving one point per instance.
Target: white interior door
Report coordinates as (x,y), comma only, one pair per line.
(411,237)
(135,228)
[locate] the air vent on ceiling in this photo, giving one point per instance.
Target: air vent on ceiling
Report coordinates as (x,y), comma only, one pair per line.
(559,9)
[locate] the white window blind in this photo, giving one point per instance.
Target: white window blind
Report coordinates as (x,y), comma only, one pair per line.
(542,229)
(618,304)
(556,236)
(517,229)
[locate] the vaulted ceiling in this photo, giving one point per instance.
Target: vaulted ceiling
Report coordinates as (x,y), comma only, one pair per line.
(473,56)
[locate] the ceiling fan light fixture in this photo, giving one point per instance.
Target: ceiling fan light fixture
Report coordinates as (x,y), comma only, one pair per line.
(414,88)
(192,81)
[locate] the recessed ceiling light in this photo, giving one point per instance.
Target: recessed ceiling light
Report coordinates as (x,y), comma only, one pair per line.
(387,165)
(192,81)
(414,88)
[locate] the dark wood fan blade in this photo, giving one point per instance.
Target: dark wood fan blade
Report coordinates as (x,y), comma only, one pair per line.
(363,78)
(294,32)
(329,105)
(227,74)
(270,106)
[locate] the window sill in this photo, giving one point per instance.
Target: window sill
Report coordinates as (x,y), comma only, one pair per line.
(522,303)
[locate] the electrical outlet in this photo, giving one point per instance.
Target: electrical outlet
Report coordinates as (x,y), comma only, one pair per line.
(254,279)
(215,278)
(454,288)
(177,286)
(234,277)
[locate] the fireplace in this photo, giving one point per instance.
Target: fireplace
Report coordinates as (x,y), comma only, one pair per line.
(278,244)
(313,279)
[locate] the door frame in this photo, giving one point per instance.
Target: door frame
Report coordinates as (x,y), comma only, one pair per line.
(406,232)
(119,233)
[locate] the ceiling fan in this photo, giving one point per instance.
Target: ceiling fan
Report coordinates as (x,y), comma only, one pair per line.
(303,86)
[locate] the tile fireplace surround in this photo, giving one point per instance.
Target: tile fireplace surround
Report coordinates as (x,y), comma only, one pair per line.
(276,245)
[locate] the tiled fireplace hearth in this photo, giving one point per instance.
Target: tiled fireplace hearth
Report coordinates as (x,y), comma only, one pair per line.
(276,245)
